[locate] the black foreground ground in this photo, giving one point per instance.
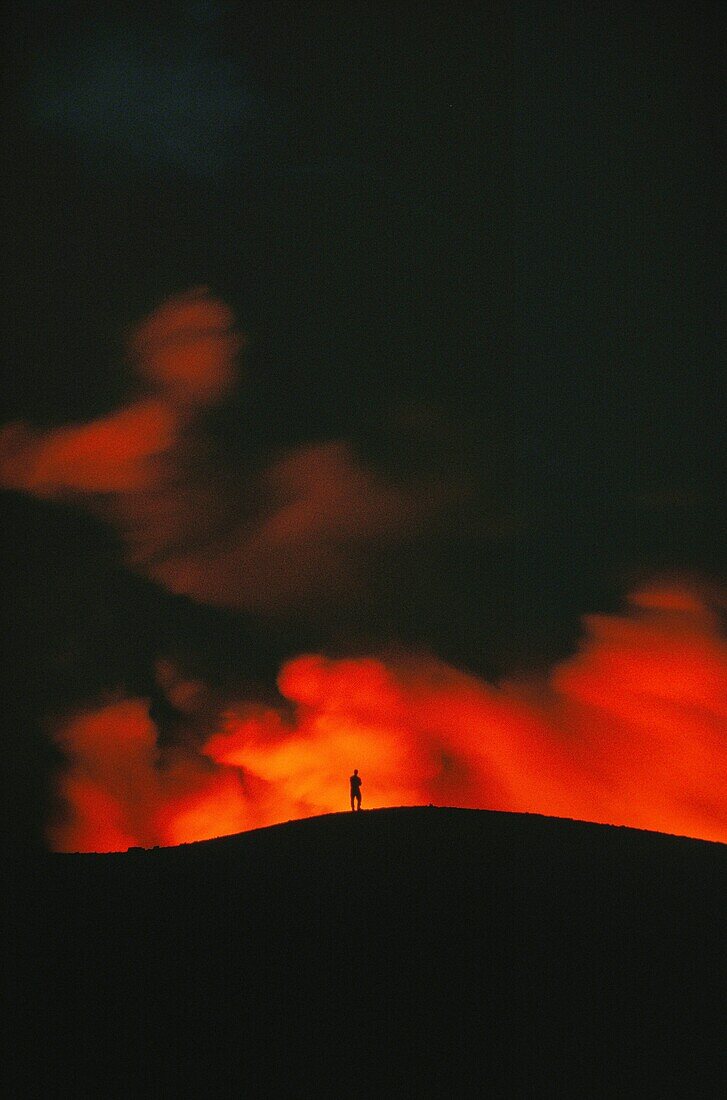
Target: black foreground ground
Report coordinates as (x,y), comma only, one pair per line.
(406,952)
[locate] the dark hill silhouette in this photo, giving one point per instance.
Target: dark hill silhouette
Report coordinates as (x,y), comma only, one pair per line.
(404,952)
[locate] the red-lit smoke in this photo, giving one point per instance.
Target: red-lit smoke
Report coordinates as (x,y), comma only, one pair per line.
(287,534)
(630,731)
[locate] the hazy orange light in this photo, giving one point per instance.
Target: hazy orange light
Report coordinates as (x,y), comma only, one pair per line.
(631,731)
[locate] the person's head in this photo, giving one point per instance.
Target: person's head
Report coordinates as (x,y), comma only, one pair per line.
(355,771)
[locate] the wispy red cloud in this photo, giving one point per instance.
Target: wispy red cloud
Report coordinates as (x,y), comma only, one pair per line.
(318,510)
(323,514)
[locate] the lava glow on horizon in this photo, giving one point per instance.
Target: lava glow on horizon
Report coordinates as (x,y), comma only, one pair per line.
(630,731)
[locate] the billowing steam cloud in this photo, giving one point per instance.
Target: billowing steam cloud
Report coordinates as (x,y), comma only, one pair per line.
(317,510)
(630,731)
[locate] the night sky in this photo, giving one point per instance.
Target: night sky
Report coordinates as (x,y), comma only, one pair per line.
(473,250)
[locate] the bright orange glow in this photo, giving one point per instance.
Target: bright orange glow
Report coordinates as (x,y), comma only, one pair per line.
(629,731)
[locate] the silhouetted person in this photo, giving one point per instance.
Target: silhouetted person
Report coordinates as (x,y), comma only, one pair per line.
(355,782)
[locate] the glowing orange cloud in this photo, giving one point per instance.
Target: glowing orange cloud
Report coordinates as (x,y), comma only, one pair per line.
(630,731)
(185,354)
(120,791)
(318,513)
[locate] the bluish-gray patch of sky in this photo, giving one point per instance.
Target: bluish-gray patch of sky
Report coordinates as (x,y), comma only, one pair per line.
(177,105)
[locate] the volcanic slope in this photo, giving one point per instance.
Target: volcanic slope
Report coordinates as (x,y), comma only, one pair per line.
(405,952)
